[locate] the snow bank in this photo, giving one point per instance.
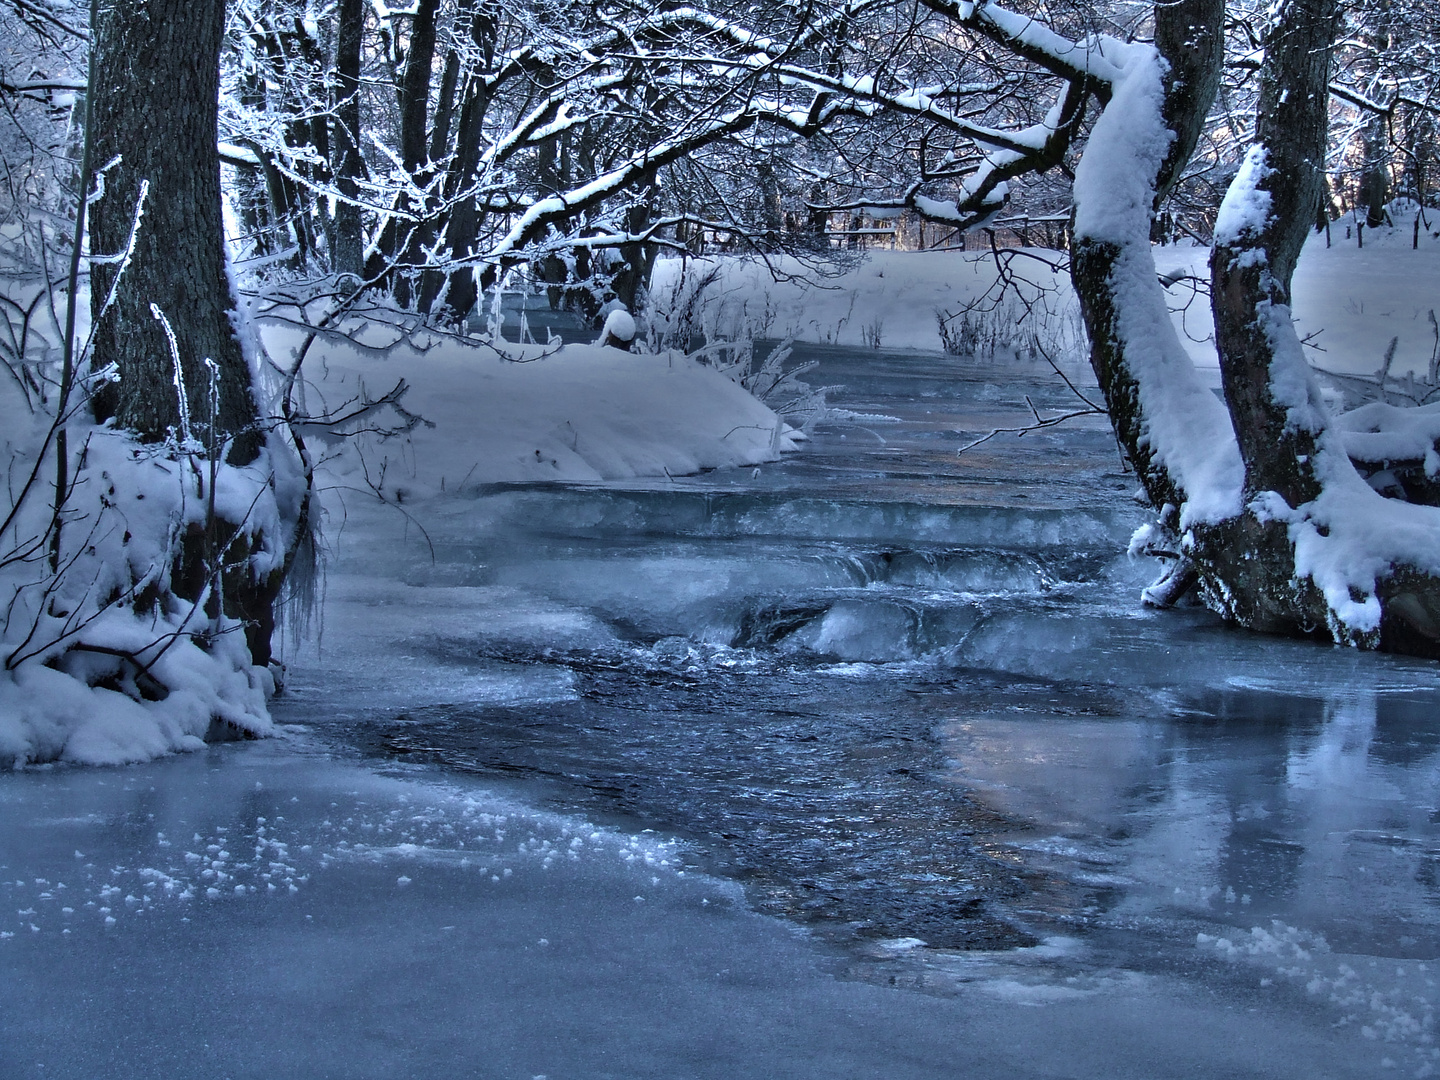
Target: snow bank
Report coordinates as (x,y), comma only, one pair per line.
(49,715)
(1351,300)
(1380,433)
(1351,538)
(582,414)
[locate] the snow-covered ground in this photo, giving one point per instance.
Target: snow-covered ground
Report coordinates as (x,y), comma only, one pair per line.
(1349,300)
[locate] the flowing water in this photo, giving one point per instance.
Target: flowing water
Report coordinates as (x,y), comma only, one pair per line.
(908,699)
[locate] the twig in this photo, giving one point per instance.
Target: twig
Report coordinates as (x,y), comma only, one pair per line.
(1092,409)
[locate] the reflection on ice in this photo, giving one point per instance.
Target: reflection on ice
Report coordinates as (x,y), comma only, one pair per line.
(1295,836)
(1299,818)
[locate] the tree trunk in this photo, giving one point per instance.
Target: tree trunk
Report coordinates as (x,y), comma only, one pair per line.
(462,229)
(156,109)
(1375,179)
(157,78)
(1190,37)
(632,278)
(1271,209)
(349,237)
(413,237)
(414,88)
(1326,554)
(1263,224)
(1260,498)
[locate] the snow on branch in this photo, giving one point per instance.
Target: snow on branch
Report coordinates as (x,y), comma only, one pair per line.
(1083,61)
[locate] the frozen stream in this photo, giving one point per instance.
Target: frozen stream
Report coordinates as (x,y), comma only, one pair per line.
(554,771)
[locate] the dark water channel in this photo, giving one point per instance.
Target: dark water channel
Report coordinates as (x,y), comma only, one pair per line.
(910,697)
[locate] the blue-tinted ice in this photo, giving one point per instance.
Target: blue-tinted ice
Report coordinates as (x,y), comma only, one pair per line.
(1012,823)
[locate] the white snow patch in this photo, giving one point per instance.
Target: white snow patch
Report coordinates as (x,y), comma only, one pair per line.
(1245,209)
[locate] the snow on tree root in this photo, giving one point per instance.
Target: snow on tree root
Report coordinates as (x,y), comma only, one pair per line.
(104,664)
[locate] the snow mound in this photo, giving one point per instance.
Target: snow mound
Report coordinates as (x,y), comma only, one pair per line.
(49,715)
(582,414)
(619,326)
(105,665)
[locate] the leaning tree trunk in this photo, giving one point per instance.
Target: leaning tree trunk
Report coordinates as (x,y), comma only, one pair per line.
(1175,432)
(157,79)
(1263,225)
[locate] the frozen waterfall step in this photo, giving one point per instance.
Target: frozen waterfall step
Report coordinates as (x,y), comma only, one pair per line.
(1179,660)
(590,511)
(854,630)
(758,632)
(637,570)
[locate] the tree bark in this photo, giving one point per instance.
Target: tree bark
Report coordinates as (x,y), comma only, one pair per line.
(1250,561)
(1190,36)
(349,238)
(156,110)
(414,88)
(462,228)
